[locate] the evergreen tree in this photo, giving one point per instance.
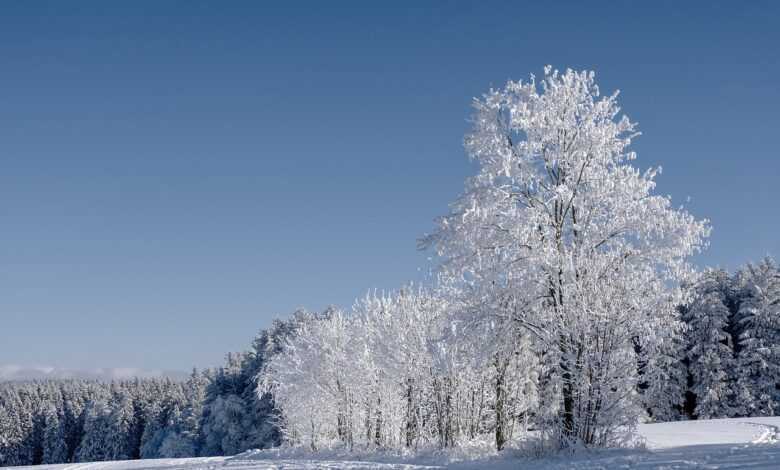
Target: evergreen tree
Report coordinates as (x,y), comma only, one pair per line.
(710,350)
(95,445)
(758,361)
(153,434)
(666,380)
(55,449)
(189,427)
(6,429)
(120,425)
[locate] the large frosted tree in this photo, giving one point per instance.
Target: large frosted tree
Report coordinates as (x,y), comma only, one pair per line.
(560,234)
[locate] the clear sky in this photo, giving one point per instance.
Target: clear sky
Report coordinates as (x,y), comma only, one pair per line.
(174,175)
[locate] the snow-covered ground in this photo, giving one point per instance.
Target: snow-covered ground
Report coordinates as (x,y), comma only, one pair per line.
(741,443)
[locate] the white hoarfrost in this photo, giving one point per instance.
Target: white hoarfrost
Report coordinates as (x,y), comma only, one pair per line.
(561,240)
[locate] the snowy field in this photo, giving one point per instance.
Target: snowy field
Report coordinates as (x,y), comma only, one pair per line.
(740,443)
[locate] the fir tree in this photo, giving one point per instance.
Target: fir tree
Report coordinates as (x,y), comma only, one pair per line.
(758,361)
(95,445)
(710,350)
(55,449)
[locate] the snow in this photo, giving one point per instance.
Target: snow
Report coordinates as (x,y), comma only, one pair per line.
(719,444)
(709,432)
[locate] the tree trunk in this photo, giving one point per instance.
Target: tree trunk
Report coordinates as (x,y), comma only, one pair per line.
(378,427)
(411,415)
(568,431)
(500,405)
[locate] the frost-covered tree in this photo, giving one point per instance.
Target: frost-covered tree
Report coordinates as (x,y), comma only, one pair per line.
(188,430)
(55,449)
(310,381)
(20,406)
(120,425)
(356,379)
(234,418)
(12,433)
(758,360)
(497,366)
(95,444)
(7,428)
(224,432)
(399,372)
(664,381)
(509,370)
(560,234)
(710,350)
(154,432)
(394,337)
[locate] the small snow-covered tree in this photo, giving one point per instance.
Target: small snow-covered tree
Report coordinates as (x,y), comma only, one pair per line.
(497,366)
(559,233)
(397,330)
(508,369)
(311,382)
(383,376)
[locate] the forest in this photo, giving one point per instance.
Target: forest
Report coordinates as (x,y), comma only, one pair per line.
(214,412)
(725,364)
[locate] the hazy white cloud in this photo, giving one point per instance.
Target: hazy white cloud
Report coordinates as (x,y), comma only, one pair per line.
(19,372)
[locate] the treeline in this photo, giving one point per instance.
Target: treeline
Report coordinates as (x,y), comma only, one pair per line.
(214,412)
(731,359)
(82,421)
(395,373)
(399,372)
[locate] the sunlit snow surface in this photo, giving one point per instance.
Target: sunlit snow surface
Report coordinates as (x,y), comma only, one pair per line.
(742,443)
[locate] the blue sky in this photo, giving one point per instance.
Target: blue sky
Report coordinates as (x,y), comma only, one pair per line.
(177,174)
